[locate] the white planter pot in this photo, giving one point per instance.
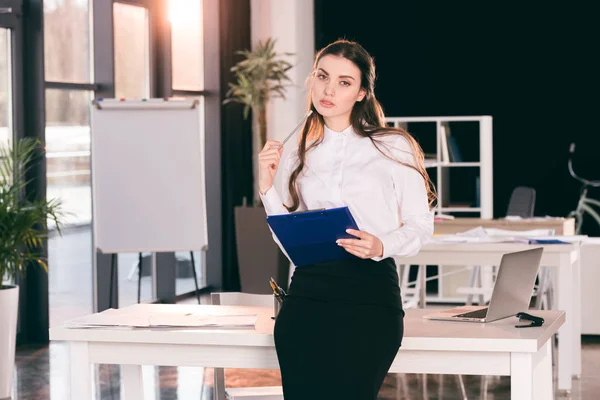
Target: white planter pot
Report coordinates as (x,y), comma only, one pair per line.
(9,305)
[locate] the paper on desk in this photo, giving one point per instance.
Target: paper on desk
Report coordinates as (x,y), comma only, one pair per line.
(508,232)
(202,320)
(117,319)
(475,235)
(494,235)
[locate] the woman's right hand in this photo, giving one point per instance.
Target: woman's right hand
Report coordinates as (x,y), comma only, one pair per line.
(268,162)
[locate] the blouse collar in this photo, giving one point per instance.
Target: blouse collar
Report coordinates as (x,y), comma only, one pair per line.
(330,133)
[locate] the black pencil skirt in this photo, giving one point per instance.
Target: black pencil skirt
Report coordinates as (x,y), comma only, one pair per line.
(339,330)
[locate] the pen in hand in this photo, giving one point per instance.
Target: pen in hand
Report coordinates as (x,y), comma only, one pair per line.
(293,131)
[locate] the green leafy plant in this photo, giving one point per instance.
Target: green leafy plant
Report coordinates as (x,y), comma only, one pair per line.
(23,222)
(260,75)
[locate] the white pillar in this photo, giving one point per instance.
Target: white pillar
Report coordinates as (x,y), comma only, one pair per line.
(291,23)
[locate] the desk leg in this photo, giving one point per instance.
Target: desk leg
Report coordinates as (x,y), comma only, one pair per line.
(423,291)
(543,386)
(132,382)
(81,377)
(577,315)
(531,375)
(219,385)
(566,333)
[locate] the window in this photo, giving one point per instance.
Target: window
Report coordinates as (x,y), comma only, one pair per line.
(5,95)
(68,152)
(5,87)
(67,41)
(68,179)
(69,90)
(186,44)
(132,51)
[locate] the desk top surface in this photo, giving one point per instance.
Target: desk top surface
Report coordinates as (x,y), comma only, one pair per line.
(420,334)
(502,247)
(504,221)
(562,226)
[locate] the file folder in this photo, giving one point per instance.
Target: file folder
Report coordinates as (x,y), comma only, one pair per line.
(309,237)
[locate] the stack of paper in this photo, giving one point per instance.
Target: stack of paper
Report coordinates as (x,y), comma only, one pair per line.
(475,235)
(113,318)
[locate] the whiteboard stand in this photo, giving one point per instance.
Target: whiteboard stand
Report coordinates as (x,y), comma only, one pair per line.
(153,147)
(138,267)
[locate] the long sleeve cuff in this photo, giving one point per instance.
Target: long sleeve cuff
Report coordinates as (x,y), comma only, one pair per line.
(399,243)
(407,240)
(272,202)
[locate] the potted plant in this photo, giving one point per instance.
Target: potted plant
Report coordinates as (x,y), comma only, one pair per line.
(258,77)
(22,230)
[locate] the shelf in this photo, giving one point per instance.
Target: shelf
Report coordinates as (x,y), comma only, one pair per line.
(429,163)
(433,163)
(440,119)
(461,164)
(460,209)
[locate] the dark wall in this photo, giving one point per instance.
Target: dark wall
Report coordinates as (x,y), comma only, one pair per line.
(531,69)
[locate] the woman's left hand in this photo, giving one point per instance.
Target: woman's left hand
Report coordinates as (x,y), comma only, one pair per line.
(366,246)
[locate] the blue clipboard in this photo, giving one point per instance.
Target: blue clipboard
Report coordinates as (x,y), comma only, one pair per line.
(309,237)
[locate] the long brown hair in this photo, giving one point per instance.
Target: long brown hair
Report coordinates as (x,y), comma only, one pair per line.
(367,119)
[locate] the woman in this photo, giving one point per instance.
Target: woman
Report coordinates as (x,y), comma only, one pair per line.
(341,324)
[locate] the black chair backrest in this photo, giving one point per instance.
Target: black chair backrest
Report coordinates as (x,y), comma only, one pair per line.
(522,202)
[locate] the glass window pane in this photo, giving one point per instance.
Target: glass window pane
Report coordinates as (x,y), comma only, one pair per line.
(132,54)
(68,178)
(185,274)
(5,87)
(128,277)
(5,97)
(186,43)
(68,152)
(67,41)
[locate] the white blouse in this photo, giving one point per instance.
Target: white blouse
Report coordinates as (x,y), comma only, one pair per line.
(386,198)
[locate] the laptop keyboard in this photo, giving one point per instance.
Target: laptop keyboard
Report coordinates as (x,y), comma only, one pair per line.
(474,314)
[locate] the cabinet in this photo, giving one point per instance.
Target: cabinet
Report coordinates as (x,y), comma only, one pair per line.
(447,154)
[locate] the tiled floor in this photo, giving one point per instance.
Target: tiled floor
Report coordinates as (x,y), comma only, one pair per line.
(42,373)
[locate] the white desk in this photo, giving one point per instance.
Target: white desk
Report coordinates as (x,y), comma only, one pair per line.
(565,257)
(590,295)
(433,347)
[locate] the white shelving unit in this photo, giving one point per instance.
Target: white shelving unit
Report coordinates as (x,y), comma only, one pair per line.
(449,277)
(485,163)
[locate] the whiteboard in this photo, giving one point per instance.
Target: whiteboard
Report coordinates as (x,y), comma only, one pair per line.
(148,182)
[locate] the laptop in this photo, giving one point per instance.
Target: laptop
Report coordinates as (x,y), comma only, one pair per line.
(512,290)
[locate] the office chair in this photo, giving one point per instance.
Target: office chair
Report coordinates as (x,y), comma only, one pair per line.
(255,393)
(521,203)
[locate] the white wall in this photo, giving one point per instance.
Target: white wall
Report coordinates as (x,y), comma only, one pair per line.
(291,22)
